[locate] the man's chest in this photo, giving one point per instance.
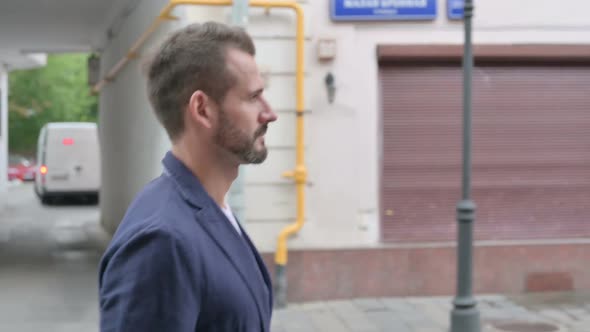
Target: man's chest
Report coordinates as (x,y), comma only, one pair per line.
(234,295)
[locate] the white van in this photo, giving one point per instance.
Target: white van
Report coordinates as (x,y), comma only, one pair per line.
(68,159)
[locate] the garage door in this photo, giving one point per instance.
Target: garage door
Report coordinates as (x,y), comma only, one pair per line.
(531,152)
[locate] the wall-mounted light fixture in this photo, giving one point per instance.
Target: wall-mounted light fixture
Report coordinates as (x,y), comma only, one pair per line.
(330,87)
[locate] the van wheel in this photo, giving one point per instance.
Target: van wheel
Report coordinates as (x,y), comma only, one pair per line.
(93,199)
(46,200)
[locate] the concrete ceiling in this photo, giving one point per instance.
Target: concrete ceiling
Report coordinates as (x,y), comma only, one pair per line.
(56,26)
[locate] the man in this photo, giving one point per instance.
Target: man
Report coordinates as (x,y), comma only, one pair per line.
(179,260)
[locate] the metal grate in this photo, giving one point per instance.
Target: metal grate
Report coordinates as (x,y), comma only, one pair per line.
(531,152)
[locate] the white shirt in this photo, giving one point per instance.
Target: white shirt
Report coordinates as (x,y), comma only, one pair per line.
(230,216)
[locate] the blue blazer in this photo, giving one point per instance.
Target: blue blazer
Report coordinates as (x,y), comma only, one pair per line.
(176,264)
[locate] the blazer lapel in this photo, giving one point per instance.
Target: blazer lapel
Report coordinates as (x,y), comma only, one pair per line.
(236,251)
(261,265)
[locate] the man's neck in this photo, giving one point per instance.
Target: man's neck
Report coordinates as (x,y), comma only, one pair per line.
(215,175)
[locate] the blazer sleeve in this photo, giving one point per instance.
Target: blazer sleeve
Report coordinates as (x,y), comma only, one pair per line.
(148,284)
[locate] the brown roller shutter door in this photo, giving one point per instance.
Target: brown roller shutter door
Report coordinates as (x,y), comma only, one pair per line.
(531,152)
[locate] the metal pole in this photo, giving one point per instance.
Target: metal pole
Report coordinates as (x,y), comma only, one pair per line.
(236,195)
(3,128)
(465,314)
(240,12)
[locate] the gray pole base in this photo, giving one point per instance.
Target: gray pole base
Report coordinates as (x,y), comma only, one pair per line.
(280,292)
(465,320)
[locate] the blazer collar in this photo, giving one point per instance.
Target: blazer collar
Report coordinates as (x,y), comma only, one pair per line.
(242,256)
(188,184)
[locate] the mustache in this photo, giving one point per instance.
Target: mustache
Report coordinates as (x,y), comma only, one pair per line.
(260,131)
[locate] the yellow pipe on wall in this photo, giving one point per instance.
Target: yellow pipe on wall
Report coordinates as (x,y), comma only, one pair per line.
(299,174)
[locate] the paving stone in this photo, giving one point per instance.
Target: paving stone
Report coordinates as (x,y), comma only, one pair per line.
(445,302)
(490,297)
(316,306)
(581,326)
(387,321)
(352,317)
(577,313)
(370,304)
(429,329)
(556,316)
(295,320)
(425,326)
(431,312)
(277,328)
(327,321)
(400,305)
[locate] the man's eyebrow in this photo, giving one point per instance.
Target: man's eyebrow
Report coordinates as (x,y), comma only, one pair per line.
(256,92)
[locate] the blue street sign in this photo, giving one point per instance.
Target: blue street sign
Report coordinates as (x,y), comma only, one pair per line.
(455,9)
(382,10)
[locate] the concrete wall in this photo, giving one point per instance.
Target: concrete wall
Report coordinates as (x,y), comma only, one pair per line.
(3,128)
(132,141)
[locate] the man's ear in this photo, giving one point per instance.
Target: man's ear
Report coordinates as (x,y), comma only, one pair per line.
(200,109)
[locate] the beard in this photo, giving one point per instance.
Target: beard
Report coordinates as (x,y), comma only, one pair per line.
(237,142)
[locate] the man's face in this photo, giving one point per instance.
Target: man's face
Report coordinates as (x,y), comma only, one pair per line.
(244,114)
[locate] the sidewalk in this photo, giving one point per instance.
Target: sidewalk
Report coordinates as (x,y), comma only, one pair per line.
(547,312)
(6,197)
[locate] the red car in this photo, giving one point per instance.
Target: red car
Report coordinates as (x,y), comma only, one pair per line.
(20,168)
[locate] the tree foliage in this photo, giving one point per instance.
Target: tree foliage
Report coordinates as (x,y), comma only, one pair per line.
(54,93)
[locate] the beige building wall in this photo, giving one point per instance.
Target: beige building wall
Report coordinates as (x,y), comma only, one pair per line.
(343,140)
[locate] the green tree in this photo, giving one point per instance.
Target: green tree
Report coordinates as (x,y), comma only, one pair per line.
(56,92)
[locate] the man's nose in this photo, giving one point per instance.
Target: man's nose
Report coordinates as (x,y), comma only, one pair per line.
(268,115)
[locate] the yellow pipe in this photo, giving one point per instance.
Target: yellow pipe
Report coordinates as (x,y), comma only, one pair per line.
(300,172)
(133,51)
